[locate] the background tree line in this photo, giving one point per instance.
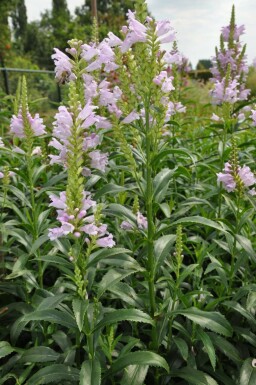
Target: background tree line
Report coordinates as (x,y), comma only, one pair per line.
(34,41)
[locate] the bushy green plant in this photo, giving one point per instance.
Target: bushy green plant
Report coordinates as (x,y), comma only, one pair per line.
(123,259)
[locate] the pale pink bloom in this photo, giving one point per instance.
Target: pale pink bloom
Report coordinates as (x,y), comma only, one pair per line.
(126,226)
(1,175)
(59,202)
(164,81)
(90,87)
(90,229)
(1,142)
(241,117)
(173,58)
(58,232)
(89,51)
(141,221)
(91,141)
(215,117)
(99,160)
(103,123)
(17,125)
(37,151)
(227,178)
(62,124)
(113,40)
(247,176)
(136,33)
(131,117)
(63,66)
(106,241)
(18,150)
(253,116)
(87,115)
(252,191)
(225,31)
(165,31)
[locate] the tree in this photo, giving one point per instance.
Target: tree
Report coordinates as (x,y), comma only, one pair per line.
(204,64)
(111,15)
(19,23)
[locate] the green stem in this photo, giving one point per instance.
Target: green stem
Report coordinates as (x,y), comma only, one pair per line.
(34,215)
(151,227)
(233,255)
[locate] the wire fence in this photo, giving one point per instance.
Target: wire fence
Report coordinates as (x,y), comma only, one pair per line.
(42,82)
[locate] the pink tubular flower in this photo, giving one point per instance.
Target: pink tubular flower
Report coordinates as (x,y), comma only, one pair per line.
(135,33)
(164,81)
(126,226)
(63,66)
(253,117)
(106,241)
(17,125)
(165,32)
(246,176)
(222,93)
(227,177)
(173,58)
(142,221)
(99,160)
(62,124)
(131,117)
(238,31)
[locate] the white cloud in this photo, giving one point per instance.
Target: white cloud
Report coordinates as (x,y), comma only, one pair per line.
(36,7)
(198,23)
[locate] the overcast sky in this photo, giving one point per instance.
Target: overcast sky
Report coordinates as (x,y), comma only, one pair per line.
(197,22)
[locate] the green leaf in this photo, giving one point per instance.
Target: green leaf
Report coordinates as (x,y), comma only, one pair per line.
(132,315)
(79,308)
(226,348)
(208,345)
(39,354)
(112,277)
(134,375)
(241,310)
(54,373)
(196,220)
(116,257)
(127,294)
(210,320)
(193,376)
(182,346)
(90,373)
(109,189)
(121,212)
(5,349)
(248,372)
(54,316)
(139,358)
(51,302)
(246,244)
(39,242)
(161,184)
(162,248)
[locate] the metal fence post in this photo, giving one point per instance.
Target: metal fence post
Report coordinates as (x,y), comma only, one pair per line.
(5,75)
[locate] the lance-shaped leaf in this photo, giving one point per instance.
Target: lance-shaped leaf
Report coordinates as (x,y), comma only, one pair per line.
(139,358)
(54,373)
(90,373)
(213,321)
(132,315)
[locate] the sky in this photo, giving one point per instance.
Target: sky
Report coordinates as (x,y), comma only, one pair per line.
(197,22)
